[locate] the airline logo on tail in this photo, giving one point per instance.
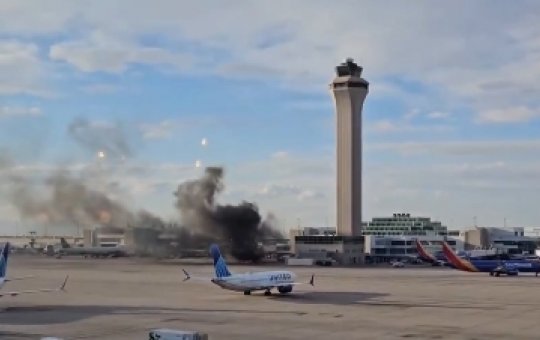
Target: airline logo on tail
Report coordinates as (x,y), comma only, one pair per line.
(219,262)
(456,261)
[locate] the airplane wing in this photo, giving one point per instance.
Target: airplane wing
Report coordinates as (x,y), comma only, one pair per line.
(19,278)
(311,282)
(198,278)
(61,288)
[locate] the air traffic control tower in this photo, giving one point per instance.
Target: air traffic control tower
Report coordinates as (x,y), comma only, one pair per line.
(350,91)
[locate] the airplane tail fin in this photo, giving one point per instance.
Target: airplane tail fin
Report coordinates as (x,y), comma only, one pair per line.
(424,254)
(219,262)
(456,261)
(3,260)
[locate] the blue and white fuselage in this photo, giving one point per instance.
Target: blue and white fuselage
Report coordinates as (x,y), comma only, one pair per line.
(256,281)
(282,280)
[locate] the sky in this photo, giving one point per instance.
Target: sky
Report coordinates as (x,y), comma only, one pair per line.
(451,121)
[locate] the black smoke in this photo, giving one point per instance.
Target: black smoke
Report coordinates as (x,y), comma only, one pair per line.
(238,226)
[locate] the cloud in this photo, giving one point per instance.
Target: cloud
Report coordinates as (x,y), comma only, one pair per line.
(413,113)
(282,191)
(416,113)
(103,53)
(430,53)
(490,186)
(510,115)
(161,130)
(397,126)
(454,193)
(100,89)
(280,155)
(384,126)
(21,69)
(437,115)
(165,129)
(7,111)
(461,148)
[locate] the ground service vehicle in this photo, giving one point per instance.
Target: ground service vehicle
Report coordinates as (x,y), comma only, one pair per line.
(172,334)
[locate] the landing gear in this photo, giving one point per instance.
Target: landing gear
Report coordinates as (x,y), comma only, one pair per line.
(247,292)
(267,293)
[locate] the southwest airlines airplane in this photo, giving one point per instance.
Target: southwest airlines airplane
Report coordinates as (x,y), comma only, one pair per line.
(248,282)
(3,269)
(493,267)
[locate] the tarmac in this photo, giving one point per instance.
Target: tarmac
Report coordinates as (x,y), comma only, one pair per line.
(126,298)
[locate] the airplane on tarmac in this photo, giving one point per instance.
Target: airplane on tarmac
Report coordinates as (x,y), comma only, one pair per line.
(66,250)
(3,269)
(495,267)
(248,282)
(426,256)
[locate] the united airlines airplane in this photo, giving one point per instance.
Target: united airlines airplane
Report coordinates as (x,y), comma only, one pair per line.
(3,269)
(248,282)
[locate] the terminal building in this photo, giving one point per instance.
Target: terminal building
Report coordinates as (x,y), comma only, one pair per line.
(383,239)
(388,238)
(324,243)
(403,224)
(506,240)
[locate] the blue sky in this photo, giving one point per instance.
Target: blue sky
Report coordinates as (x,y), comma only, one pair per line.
(451,122)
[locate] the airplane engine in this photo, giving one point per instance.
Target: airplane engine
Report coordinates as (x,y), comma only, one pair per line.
(285,289)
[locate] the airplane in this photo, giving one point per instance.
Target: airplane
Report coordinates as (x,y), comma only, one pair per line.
(494,267)
(66,249)
(248,282)
(425,256)
(3,270)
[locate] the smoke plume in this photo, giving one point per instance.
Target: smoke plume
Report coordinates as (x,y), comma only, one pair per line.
(105,137)
(240,226)
(65,199)
(57,197)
